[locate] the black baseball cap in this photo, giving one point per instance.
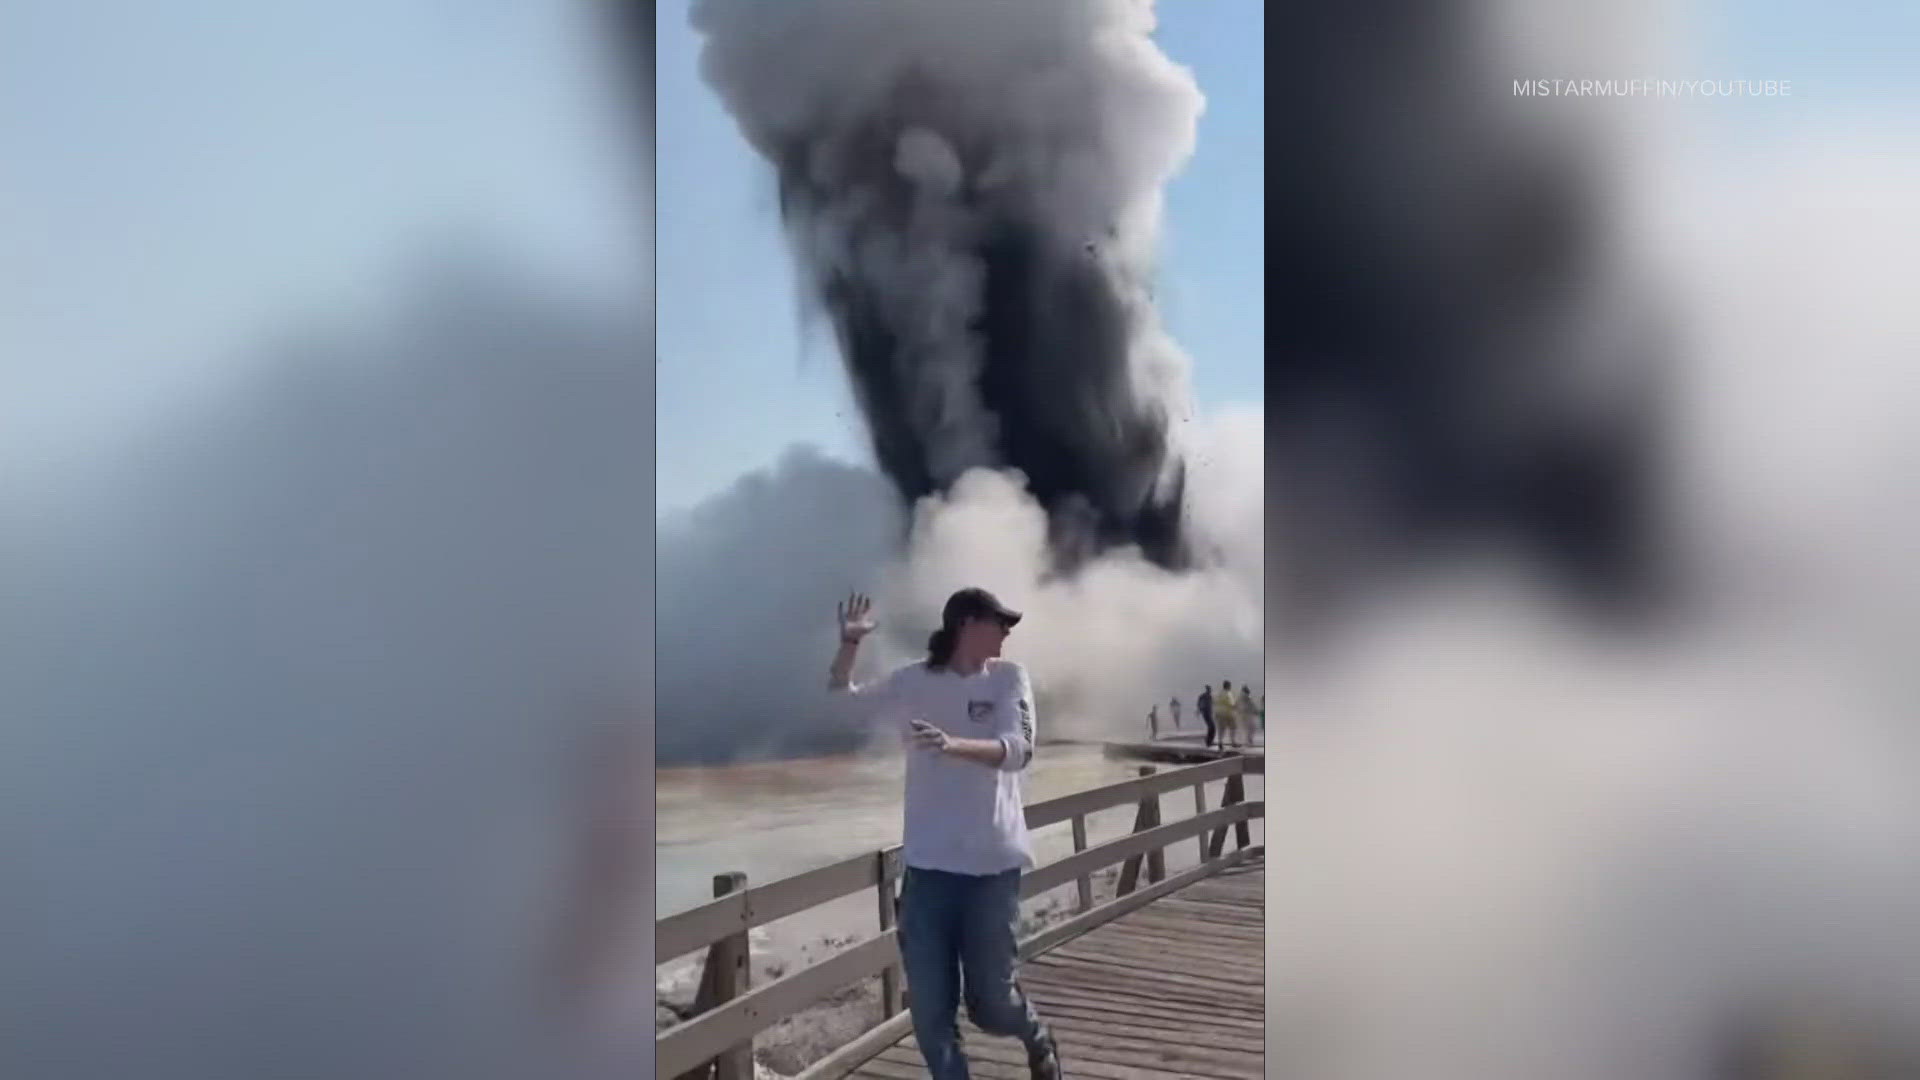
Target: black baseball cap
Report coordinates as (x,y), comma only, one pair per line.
(977,604)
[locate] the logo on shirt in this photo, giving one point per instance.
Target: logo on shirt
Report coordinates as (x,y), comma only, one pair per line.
(1026,719)
(980,711)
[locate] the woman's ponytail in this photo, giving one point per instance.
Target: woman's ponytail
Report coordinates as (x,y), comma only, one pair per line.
(940,647)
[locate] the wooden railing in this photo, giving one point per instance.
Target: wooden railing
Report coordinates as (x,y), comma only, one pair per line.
(717,1040)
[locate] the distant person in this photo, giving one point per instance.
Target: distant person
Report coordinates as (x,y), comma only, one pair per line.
(970,726)
(1204,705)
(1173,710)
(1250,714)
(1153,721)
(1225,715)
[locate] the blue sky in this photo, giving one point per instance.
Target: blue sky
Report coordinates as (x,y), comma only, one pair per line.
(737,384)
(1842,50)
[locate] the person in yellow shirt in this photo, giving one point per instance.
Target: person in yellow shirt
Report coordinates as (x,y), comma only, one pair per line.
(1226,714)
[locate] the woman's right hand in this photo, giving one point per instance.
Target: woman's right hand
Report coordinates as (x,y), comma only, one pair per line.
(856,618)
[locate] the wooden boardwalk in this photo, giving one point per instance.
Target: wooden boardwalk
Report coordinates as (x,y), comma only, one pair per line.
(1174,989)
(1177,749)
(1162,979)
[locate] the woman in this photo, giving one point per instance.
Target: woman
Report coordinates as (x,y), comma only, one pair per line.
(970,729)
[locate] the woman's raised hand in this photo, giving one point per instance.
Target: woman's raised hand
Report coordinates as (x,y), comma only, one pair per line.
(855,615)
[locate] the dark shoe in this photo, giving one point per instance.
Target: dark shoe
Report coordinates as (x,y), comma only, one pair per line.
(1044,1062)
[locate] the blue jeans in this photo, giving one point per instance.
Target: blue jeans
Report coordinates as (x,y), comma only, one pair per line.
(960,924)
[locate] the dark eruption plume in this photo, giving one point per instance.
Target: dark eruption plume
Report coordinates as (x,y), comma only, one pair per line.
(971,191)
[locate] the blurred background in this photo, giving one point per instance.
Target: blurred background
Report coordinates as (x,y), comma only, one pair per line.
(325,447)
(1590,476)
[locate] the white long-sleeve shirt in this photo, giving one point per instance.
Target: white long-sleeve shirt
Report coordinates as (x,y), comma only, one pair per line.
(961,816)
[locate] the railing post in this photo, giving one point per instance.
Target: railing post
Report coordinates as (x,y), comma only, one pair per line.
(1157,858)
(728,974)
(1147,817)
(1242,829)
(1085,881)
(1199,808)
(889,859)
(1235,795)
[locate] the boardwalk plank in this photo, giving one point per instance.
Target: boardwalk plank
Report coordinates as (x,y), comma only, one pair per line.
(1211,912)
(1149,1000)
(1173,990)
(1131,954)
(1246,978)
(1216,914)
(1241,980)
(1152,1013)
(1002,1058)
(1073,1027)
(884,1069)
(1197,930)
(1161,985)
(1190,939)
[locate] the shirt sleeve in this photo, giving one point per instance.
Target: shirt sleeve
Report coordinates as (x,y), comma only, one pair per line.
(876,698)
(1014,717)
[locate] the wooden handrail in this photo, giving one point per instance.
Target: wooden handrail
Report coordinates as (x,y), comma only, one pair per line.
(696,928)
(1055,874)
(717,1034)
(705,1036)
(1092,801)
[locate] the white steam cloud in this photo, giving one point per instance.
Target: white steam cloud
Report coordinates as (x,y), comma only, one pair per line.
(1120,634)
(748,583)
